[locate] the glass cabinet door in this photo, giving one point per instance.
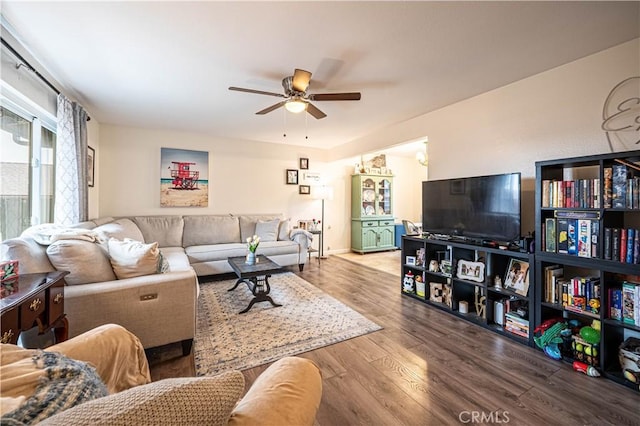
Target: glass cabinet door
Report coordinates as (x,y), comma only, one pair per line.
(384,197)
(368,197)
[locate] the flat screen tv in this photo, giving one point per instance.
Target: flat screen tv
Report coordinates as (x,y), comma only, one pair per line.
(476,208)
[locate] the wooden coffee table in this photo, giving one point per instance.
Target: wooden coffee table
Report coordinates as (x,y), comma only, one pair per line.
(256,277)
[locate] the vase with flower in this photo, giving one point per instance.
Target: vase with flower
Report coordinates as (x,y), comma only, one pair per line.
(316,224)
(252,245)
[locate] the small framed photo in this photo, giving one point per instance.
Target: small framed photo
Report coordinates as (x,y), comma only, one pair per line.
(517,277)
(411,260)
(292,177)
(304,189)
(304,163)
(472,271)
(91,166)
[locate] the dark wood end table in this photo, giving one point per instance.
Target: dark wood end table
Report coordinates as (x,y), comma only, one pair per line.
(256,277)
(36,300)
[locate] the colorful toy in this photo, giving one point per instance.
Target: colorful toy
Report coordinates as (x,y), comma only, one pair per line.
(590,335)
(585,369)
(408,282)
(550,338)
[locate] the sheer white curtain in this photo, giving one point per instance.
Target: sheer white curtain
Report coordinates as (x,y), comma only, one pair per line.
(71,201)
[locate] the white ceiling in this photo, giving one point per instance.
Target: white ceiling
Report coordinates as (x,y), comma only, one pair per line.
(168,64)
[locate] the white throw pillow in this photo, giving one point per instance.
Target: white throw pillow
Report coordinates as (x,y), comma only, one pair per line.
(283,233)
(86,262)
(130,258)
(267,230)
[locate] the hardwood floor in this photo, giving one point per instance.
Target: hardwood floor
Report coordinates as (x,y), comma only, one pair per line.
(429,368)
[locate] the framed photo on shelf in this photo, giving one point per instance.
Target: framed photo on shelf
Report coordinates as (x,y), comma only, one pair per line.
(411,260)
(91,166)
(292,177)
(304,189)
(304,164)
(471,271)
(517,277)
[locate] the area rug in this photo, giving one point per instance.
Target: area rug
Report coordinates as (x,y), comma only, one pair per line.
(308,319)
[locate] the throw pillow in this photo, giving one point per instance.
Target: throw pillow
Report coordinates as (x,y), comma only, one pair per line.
(130,258)
(86,262)
(66,383)
(283,233)
(120,229)
(180,401)
(267,230)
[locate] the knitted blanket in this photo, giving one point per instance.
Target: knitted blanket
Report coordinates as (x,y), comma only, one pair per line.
(66,384)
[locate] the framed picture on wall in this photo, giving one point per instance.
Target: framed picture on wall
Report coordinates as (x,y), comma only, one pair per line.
(304,163)
(91,166)
(305,189)
(292,177)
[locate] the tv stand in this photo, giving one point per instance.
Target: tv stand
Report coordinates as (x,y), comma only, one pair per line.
(458,275)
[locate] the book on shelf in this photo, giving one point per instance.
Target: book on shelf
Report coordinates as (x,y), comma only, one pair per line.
(622,245)
(584,238)
(607,193)
(607,244)
(578,193)
(572,236)
(553,292)
(630,296)
(615,304)
(619,186)
(630,242)
(615,244)
(595,238)
(581,294)
(562,240)
(550,230)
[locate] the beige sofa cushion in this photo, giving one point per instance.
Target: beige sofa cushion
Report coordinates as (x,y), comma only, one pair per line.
(86,262)
(179,401)
(248,223)
(166,230)
(267,230)
(131,258)
(32,256)
(120,229)
(208,229)
(286,393)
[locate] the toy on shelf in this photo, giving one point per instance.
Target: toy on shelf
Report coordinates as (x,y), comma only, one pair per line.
(585,369)
(408,282)
(550,337)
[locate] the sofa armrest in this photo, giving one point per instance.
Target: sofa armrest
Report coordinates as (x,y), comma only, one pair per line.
(158,308)
(117,355)
(286,393)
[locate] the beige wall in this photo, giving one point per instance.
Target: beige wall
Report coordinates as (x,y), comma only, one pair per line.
(551,115)
(244,177)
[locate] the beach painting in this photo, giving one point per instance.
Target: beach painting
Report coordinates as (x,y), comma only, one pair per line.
(184,178)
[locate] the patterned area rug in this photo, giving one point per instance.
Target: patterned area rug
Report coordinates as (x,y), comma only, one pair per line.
(308,319)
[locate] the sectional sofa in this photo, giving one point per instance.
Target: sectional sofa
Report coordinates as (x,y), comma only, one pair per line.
(142,271)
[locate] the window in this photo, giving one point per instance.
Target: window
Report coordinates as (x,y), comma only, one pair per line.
(27,172)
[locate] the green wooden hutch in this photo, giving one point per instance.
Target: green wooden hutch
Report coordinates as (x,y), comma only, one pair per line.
(372,227)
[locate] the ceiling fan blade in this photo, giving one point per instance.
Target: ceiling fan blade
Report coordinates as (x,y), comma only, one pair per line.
(271,108)
(258,92)
(301,80)
(313,110)
(353,96)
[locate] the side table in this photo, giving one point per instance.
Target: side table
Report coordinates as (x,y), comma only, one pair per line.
(319,250)
(36,300)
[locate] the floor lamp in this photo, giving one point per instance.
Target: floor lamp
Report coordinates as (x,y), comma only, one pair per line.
(323,192)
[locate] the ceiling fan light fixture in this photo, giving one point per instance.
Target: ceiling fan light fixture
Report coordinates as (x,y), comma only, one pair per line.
(295,105)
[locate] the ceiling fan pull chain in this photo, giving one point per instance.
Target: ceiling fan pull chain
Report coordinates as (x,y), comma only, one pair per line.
(284,123)
(306,127)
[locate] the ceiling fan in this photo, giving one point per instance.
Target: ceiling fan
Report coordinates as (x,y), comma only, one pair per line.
(296,96)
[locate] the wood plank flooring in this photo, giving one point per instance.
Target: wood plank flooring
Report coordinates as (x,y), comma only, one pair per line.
(429,368)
